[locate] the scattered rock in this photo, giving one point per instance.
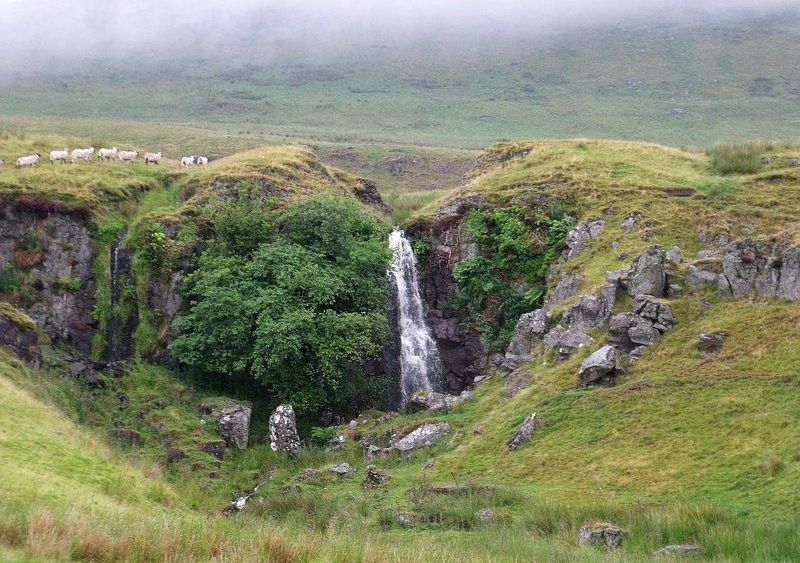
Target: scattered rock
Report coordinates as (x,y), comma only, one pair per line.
(486,515)
(794,163)
(283,435)
(175,454)
(753,267)
(679,550)
(675,255)
(375,477)
(21,339)
(374,452)
(233,420)
(423,437)
(217,448)
(337,442)
(603,535)
(631,221)
(405,520)
(428,464)
(524,433)
(674,291)
(582,235)
(566,340)
(306,474)
(343,470)
(711,342)
(530,330)
(517,381)
(601,367)
(432,401)
(648,276)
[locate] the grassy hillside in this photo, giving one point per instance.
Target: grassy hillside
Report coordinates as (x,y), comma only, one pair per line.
(677,84)
(687,448)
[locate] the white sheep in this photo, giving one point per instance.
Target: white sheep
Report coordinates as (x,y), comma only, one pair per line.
(59,156)
(128,156)
(85,154)
(188,161)
(2,162)
(202,160)
(108,154)
(152,157)
(28,161)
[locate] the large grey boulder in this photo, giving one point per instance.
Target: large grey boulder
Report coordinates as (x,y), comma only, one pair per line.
(283,435)
(592,311)
(375,477)
(343,469)
(601,367)
(580,237)
(233,420)
(524,433)
(566,340)
(601,534)
(618,328)
(530,330)
(649,276)
(653,310)
(423,437)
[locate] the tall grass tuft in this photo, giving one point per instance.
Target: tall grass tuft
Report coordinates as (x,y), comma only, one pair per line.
(738,158)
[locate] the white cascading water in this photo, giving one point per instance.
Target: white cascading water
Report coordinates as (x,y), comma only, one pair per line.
(420,362)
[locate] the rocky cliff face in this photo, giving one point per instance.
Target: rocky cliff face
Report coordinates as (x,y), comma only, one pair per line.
(459,344)
(50,250)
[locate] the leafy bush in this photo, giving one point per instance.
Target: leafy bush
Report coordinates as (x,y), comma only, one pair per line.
(10,281)
(507,279)
(323,434)
(737,158)
(298,306)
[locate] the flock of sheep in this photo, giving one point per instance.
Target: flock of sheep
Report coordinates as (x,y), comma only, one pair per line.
(112,154)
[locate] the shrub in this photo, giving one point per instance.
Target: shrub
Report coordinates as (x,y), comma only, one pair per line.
(507,279)
(10,281)
(323,434)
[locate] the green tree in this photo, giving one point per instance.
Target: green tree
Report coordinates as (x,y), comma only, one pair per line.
(298,303)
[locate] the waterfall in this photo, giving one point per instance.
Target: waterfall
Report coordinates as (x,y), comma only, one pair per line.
(420,362)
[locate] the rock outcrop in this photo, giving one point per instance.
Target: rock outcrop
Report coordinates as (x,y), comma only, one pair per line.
(679,550)
(524,433)
(530,330)
(18,334)
(343,469)
(423,437)
(750,267)
(580,237)
(592,311)
(632,332)
(566,341)
(602,367)
(54,247)
(283,435)
(648,276)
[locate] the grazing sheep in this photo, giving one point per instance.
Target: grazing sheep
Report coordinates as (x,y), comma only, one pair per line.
(108,154)
(188,161)
(28,161)
(2,162)
(85,154)
(128,156)
(152,157)
(59,156)
(202,160)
